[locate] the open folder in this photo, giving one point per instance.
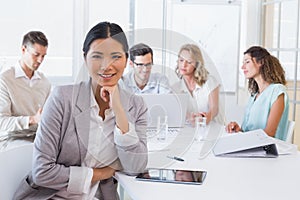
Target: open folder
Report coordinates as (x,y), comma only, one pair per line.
(254,143)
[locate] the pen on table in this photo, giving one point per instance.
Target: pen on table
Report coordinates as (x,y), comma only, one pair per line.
(175,158)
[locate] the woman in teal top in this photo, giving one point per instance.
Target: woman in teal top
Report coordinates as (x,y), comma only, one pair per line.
(268,105)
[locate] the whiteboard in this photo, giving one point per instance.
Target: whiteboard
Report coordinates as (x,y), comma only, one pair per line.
(216,28)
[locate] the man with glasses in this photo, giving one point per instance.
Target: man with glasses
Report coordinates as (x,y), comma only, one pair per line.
(140,80)
(24,90)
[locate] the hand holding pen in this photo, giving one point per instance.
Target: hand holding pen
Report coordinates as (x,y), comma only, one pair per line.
(233,127)
(35,119)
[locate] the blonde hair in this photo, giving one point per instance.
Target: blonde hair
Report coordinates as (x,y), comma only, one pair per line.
(200,72)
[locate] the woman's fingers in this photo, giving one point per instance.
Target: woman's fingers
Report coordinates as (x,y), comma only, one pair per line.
(104,93)
(231,127)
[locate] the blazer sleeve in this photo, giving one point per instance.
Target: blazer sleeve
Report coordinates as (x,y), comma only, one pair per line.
(45,171)
(56,159)
(134,157)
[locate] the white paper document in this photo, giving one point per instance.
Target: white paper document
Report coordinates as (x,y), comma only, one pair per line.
(285,148)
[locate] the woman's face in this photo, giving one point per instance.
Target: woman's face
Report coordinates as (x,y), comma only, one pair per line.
(250,67)
(186,64)
(106,61)
(183,175)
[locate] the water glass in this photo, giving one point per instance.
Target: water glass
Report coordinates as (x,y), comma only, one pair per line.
(200,124)
(162,127)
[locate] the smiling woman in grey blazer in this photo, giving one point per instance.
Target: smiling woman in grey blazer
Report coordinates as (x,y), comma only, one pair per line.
(91,129)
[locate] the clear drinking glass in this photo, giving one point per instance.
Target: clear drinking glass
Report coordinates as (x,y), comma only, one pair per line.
(200,125)
(162,127)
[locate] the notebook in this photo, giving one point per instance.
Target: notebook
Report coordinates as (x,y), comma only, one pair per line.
(254,143)
(174,106)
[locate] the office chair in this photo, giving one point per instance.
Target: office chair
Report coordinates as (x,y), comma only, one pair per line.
(15,163)
(290,131)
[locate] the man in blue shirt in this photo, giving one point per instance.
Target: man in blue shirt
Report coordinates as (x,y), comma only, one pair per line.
(140,80)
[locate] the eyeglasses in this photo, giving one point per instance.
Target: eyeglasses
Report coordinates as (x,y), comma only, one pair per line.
(139,65)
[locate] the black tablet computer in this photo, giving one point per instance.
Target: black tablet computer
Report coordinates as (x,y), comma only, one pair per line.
(173,176)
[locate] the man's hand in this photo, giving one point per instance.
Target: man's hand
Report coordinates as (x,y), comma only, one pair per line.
(35,119)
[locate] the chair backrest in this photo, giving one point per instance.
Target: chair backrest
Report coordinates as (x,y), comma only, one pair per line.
(290,131)
(15,163)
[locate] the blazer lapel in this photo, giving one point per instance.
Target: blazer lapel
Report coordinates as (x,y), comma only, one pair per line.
(82,116)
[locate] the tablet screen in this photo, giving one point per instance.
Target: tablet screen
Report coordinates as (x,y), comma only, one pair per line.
(173,176)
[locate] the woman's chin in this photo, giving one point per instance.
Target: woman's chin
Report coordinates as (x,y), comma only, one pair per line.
(107,83)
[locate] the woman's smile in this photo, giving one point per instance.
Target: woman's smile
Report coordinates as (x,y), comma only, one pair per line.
(106,76)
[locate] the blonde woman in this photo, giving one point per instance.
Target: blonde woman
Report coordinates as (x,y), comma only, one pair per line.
(203,89)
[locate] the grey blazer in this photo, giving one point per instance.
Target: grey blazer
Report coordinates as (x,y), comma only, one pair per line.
(62,138)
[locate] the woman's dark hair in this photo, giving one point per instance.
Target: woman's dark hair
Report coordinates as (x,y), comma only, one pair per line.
(105,30)
(270,70)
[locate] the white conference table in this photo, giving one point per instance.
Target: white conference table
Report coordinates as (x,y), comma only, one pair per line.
(227,178)
(11,140)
